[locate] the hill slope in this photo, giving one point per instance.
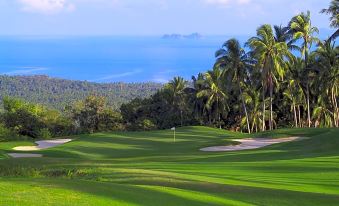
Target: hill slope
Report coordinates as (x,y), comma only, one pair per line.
(149,169)
(56,93)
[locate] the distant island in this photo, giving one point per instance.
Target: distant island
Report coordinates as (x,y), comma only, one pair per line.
(180,36)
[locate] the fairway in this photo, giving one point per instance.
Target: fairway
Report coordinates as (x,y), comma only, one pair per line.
(148,168)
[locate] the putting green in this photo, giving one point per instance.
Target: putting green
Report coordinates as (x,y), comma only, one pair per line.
(148,168)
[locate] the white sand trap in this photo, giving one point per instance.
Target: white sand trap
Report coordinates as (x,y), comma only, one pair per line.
(44,144)
(22,155)
(249,143)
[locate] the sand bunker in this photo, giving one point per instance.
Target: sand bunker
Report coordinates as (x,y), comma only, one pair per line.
(44,144)
(250,143)
(23,155)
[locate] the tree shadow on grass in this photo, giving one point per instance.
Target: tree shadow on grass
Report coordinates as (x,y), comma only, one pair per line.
(253,195)
(130,194)
(148,196)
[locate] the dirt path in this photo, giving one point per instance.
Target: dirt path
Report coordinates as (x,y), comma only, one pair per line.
(249,143)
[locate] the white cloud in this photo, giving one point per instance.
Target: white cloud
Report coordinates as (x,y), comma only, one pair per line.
(160,80)
(164,76)
(25,70)
(46,6)
(115,76)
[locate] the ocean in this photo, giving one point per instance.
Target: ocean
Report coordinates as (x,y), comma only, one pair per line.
(108,59)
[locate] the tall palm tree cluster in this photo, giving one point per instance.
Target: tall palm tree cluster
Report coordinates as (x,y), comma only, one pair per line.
(283,76)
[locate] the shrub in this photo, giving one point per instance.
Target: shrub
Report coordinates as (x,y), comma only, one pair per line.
(44,134)
(147,125)
(7,134)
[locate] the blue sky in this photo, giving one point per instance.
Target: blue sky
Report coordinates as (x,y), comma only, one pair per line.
(150,17)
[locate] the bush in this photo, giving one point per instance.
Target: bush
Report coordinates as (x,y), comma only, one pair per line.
(44,134)
(147,125)
(7,134)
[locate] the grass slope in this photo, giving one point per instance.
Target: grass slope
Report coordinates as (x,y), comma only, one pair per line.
(148,168)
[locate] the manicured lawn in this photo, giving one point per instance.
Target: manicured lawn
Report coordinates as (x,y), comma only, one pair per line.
(148,168)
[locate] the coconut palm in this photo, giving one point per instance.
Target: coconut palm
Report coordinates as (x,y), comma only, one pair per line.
(290,95)
(322,114)
(296,80)
(176,88)
(327,57)
(234,62)
(271,56)
(214,91)
(283,34)
(333,10)
(200,106)
(252,98)
(301,27)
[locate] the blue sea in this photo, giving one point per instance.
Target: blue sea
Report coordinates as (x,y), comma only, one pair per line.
(108,59)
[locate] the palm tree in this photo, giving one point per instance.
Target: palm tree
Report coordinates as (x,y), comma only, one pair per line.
(301,27)
(333,10)
(214,91)
(252,98)
(322,114)
(200,109)
(327,57)
(234,61)
(283,34)
(291,97)
(295,80)
(176,88)
(271,56)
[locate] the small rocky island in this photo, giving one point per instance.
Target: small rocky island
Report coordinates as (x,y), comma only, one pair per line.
(180,36)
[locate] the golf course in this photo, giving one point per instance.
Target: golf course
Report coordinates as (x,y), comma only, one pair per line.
(149,168)
(169,103)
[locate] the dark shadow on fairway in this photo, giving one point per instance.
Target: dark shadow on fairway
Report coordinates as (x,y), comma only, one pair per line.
(128,193)
(259,196)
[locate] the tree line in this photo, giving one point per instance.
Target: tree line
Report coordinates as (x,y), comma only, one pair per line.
(20,119)
(58,93)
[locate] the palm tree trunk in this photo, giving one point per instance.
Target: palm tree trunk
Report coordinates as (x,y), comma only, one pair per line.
(263,108)
(252,126)
(271,104)
(181,117)
(308,106)
(295,116)
(219,117)
(245,109)
(308,87)
(299,117)
(334,111)
(335,108)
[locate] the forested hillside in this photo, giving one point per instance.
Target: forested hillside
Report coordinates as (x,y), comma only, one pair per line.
(56,93)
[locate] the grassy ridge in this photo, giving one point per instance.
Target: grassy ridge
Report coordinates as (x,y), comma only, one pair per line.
(148,168)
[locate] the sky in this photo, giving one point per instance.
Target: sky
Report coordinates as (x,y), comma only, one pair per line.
(150,17)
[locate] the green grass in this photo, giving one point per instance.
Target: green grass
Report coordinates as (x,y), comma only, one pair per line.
(148,168)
